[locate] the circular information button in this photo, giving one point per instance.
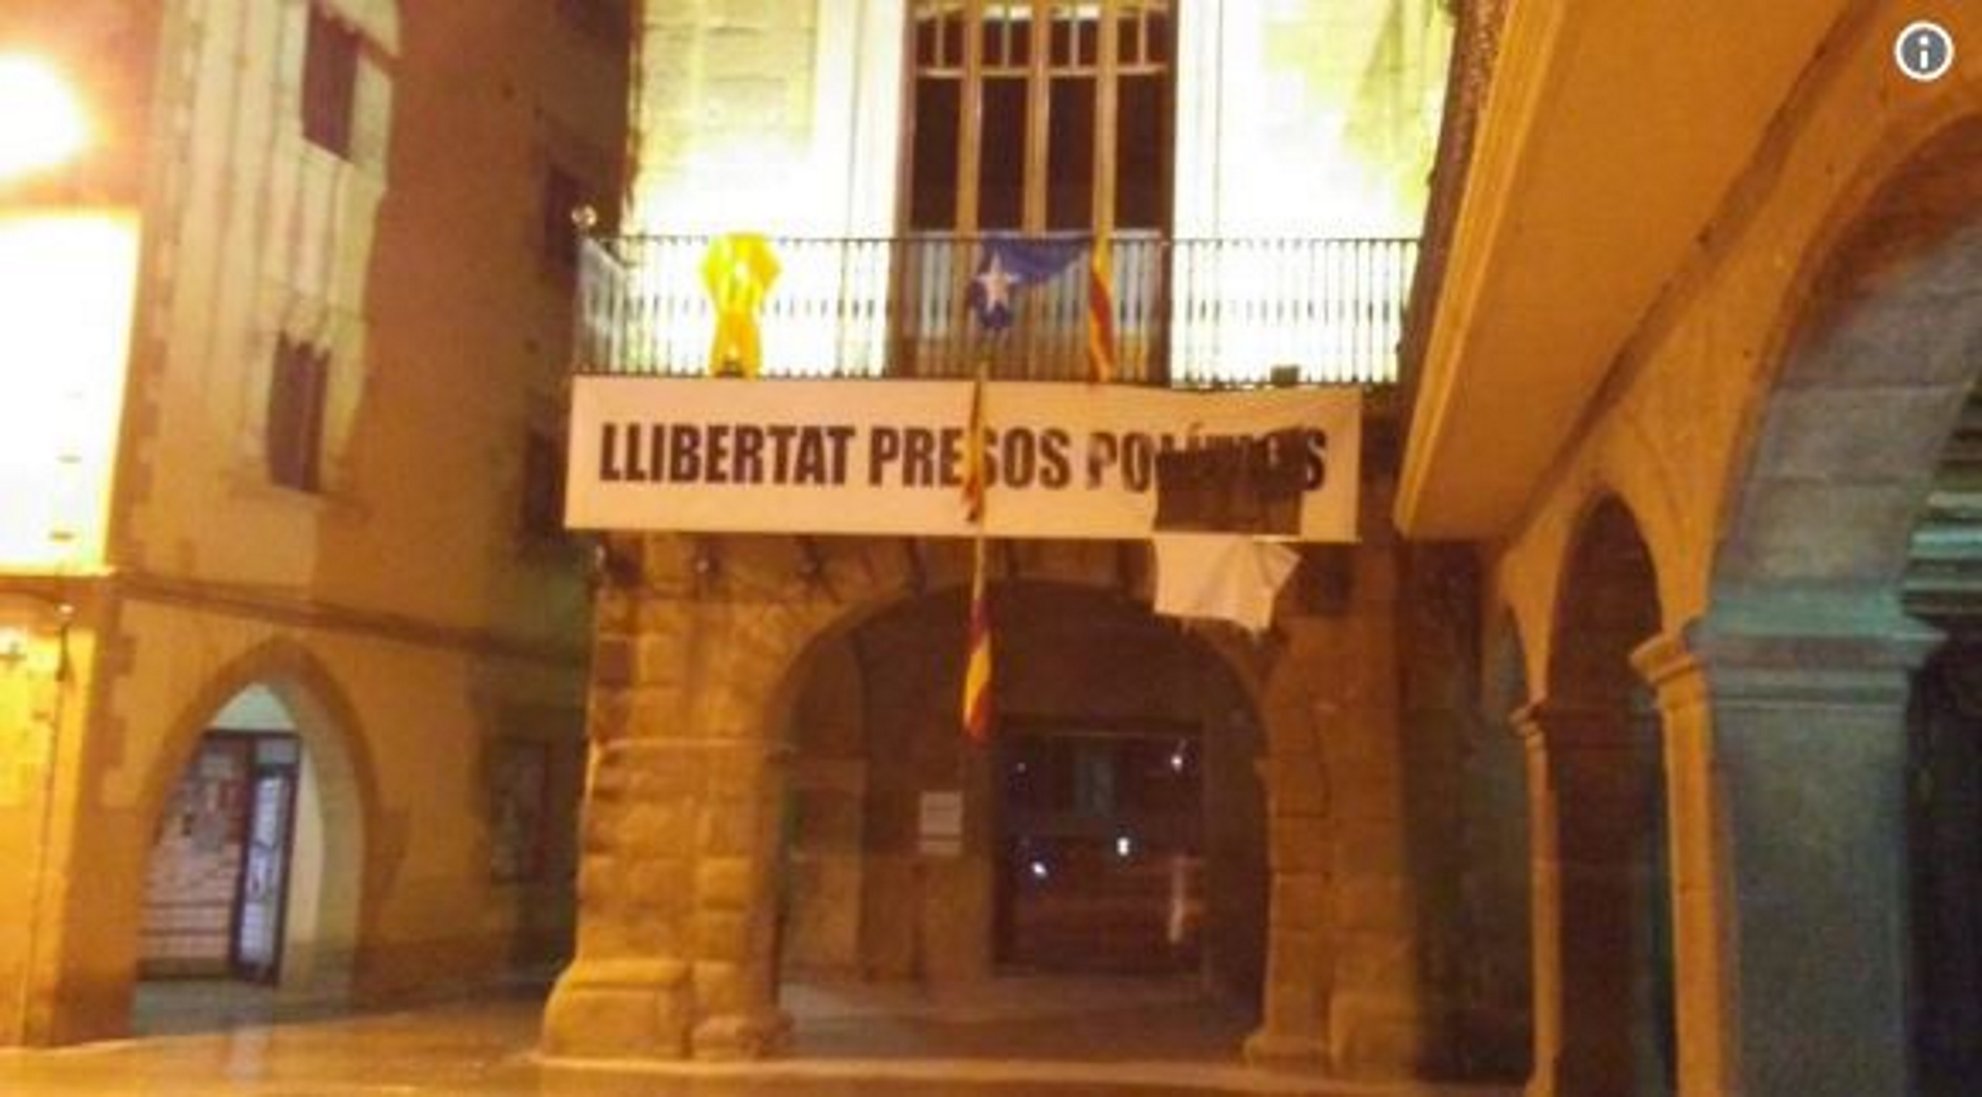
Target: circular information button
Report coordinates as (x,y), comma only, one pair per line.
(1924,51)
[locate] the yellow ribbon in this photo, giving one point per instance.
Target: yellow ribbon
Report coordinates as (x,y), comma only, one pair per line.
(738,272)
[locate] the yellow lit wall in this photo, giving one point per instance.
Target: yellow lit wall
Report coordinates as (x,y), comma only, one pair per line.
(1298,119)
(67,280)
(1294,118)
(400,612)
(1307,117)
(781,116)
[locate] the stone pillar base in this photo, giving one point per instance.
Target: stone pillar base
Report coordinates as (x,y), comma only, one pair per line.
(645,1009)
(1273,1049)
(620,1010)
(743,1035)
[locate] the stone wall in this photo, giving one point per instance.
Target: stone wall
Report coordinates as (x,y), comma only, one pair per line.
(404,588)
(723,112)
(716,656)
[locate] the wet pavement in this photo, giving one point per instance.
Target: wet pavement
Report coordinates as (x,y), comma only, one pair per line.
(1015,1037)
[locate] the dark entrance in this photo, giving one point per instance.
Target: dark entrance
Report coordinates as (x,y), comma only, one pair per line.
(1611,869)
(1100,850)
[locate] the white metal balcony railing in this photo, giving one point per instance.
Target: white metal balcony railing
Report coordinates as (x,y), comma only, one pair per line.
(1190,313)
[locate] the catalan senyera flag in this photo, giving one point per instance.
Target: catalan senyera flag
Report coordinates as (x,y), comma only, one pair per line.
(1100,314)
(977,648)
(977,661)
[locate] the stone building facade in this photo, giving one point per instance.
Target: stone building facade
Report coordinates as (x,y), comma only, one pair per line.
(1700,387)
(308,499)
(771,711)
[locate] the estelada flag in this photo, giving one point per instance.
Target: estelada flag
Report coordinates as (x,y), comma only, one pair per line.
(1010,263)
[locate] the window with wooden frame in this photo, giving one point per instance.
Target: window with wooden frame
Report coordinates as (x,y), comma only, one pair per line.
(330,82)
(296,391)
(1040,115)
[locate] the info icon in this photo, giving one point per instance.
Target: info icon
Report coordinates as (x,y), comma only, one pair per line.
(1924,51)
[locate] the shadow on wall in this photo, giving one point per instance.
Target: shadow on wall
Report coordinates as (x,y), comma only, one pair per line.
(1467,818)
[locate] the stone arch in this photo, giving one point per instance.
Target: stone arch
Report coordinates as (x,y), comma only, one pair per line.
(1607,591)
(1807,640)
(327,724)
(701,642)
(833,586)
(1604,985)
(700,647)
(1538,619)
(893,664)
(1874,360)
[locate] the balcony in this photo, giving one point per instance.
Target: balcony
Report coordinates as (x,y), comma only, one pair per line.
(1205,313)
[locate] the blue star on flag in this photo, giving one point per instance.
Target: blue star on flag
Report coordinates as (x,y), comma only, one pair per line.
(992,294)
(1011,263)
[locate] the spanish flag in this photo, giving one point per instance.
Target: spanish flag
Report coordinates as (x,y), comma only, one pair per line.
(1100,314)
(977,651)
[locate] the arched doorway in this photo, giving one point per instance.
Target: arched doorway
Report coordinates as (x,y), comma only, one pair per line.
(1945,845)
(1113,828)
(1851,524)
(1612,944)
(253,876)
(1944,770)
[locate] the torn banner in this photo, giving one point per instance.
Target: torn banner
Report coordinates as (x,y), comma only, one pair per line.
(1225,576)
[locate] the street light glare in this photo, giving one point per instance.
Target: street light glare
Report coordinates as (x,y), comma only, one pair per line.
(41,124)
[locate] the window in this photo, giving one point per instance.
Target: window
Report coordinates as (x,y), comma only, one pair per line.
(1037,79)
(295,414)
(543,486)
(330,82)
(563,193)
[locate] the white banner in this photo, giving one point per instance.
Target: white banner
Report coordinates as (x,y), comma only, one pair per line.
(886,456)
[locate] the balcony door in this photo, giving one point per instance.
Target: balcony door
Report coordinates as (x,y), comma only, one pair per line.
(1041,116)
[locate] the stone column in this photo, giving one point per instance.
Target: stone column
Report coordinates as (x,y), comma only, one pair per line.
(1701,890)
(1588,781)
(680,839)
(1545,901)
(1294,1012)
(1804,775)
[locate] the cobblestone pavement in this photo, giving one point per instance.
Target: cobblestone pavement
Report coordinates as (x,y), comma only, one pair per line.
(1070,1038)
